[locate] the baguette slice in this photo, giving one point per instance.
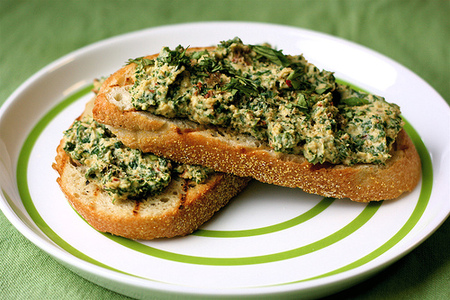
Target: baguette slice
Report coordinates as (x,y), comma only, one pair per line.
(225,151)
(179,210)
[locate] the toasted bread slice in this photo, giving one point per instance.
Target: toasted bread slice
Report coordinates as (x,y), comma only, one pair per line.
(179,210)
(240,154)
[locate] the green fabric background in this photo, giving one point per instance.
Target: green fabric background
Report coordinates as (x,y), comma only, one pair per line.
(35,33)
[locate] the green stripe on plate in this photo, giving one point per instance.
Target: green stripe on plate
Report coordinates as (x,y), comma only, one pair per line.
(317,209)
(370,209)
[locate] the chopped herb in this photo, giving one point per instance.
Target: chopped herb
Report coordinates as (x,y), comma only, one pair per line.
(141,62)
(275,56)
(354,101)
(239,84)
(176,57)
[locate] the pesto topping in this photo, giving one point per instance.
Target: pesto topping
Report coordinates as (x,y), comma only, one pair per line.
(277,98)
(194,173)
(121,171)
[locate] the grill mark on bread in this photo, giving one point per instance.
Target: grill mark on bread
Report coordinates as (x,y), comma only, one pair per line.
(318,167)
(181,131)
(129,80)
(183,195)
(137,205)
(96,192)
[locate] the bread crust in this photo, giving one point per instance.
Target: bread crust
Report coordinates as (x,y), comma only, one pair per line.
(162,216)
(187,142)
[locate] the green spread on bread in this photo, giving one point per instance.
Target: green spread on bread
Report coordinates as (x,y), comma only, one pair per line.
(121,171)
(276,98)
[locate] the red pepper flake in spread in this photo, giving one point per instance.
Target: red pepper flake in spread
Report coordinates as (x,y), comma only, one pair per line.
(289,83)
(209,94)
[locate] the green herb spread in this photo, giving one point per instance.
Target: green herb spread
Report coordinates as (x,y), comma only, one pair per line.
(281,99)
(121,171)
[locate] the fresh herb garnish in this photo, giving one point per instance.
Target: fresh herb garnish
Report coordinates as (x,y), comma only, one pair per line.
(239,84)
(141,62)
(207,65)
(275,56)
(354,101)
(295,79)
(176,57)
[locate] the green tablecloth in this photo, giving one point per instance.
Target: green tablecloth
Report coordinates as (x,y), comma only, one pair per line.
(35,33)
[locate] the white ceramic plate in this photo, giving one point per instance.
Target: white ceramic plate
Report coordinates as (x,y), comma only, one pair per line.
(269,240)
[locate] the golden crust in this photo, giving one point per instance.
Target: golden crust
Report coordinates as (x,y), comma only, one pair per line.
(183,141)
